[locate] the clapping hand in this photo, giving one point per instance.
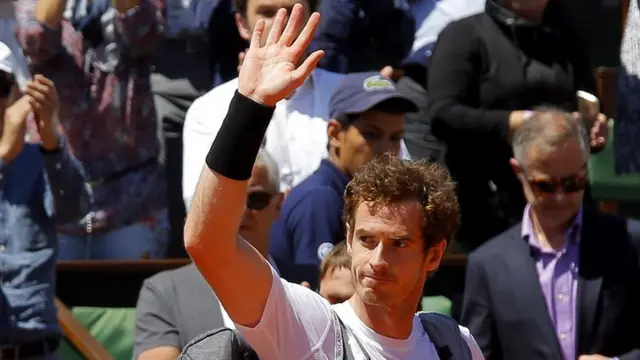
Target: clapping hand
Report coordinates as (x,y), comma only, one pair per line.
(599,131)
(271,72)
(43,98)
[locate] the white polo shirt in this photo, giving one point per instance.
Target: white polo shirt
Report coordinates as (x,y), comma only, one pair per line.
(296,137)
(298,324)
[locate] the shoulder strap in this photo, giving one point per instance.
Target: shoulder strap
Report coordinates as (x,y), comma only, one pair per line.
(347,354)
(445,336)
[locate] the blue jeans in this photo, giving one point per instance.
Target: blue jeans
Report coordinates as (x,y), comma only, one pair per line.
(135,241)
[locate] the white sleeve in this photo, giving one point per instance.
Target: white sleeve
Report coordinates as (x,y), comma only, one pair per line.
(201,125)
(297,324)
(476,353)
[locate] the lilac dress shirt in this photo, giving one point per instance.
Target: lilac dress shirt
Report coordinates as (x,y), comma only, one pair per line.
(558,277)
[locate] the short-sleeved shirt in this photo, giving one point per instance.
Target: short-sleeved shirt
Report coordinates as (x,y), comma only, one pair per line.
(298,324)
(311,219)
(174,307)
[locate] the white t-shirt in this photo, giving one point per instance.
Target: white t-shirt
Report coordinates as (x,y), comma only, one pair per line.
(297,324)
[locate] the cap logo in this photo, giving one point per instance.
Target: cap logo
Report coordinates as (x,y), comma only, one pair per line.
(377,82)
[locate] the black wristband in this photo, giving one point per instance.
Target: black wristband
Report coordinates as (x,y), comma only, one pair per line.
(236,146)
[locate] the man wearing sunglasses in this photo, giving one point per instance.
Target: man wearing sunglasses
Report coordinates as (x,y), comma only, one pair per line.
(177,305)
(565,282)
(41,185)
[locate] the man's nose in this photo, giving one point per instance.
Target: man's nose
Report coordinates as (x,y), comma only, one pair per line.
(378,259)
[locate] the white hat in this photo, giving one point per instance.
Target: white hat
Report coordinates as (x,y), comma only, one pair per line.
(7,61)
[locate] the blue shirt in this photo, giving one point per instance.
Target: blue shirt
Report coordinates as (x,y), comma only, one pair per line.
(311,219)
(37,189)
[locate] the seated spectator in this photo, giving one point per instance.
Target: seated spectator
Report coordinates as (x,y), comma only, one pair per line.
(562,284)
(367,120)
(40,185)
(107,112)
(486,74)
(336,284)
(177,305)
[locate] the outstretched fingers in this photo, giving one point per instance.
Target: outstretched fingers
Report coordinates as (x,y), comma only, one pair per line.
(293,25)
(276,28)
(257,35)
(304,39)
(299,75)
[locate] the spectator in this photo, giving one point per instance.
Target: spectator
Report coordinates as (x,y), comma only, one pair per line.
(108,115)
(40,184)
(399,217)
(336,284)
(297,136)
(177,305)
(199,51)
(487,72)
(361,35)
(367,120)
(431,17)
(563,284)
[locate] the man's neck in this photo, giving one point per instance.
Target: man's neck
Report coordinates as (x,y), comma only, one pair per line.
(549,236)
(392,322)
(333,158)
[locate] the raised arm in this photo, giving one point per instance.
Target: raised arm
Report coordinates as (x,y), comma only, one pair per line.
(268,74)
(38,28)
(137,25)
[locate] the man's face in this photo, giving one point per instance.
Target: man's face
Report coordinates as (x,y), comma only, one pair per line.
(263,208)
(554,181)
(388,260)
(337,286)
(373,133)
(266,10)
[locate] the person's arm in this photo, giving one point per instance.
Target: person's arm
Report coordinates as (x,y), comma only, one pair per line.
(453,81)
(476,310)
(156,330)
(67,182)
(211,229)
(314,221)
(137,26)
(38,30)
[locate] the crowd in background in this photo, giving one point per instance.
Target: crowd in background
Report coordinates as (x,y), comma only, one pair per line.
(140,89)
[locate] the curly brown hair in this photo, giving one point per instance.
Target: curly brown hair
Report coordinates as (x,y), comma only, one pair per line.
(388,179)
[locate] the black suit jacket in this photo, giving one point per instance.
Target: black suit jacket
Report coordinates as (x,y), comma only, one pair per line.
(505,309)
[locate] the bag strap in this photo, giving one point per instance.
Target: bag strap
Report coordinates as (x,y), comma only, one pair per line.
(347,354)
(444,333)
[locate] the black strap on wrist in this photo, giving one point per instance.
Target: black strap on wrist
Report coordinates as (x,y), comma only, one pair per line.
(236,146)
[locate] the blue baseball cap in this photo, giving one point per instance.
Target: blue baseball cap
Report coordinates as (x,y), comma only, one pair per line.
(359,92)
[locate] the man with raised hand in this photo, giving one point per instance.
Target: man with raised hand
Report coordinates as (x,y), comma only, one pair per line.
(399,217)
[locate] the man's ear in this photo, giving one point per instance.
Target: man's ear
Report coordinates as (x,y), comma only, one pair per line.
(349,237)
(334,128)
(515,166)
(243,27)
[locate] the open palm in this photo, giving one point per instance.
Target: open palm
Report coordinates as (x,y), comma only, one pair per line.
(270,73)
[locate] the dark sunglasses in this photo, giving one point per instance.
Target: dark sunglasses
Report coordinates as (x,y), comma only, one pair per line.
(258,200)
(569,185)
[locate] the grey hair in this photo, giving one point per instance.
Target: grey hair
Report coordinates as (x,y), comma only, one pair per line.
(550,128)
(264,159)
